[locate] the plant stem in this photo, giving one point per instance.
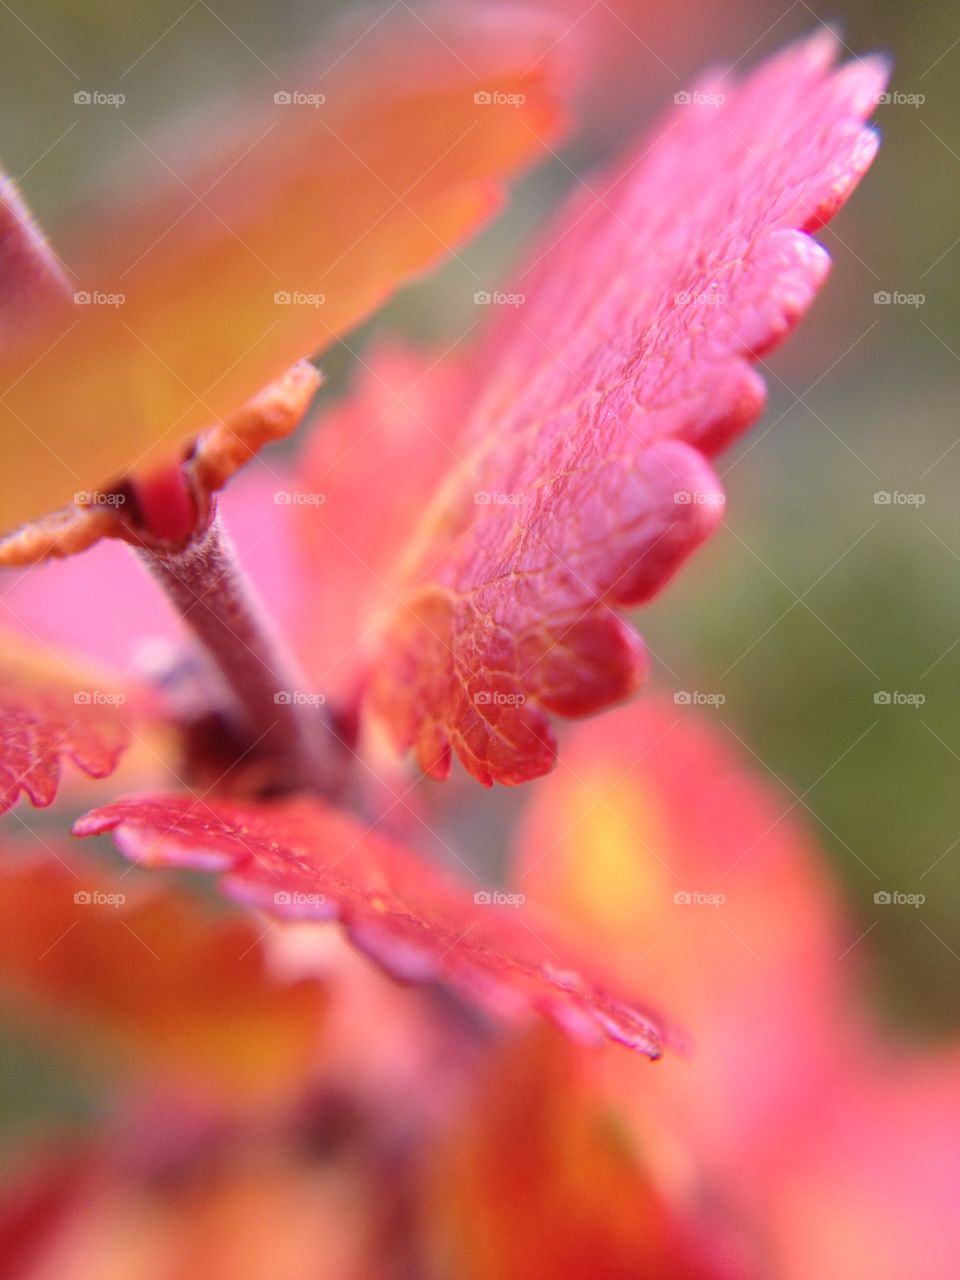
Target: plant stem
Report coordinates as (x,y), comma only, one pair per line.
(284,723)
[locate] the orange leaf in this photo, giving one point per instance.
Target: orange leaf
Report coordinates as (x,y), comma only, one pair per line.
(106,969)
(219,453)
(535,1183)
(291,228)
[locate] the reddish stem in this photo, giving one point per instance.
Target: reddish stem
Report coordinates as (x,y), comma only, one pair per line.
(284,722)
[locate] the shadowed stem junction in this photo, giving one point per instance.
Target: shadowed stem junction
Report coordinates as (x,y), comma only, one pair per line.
(283,723)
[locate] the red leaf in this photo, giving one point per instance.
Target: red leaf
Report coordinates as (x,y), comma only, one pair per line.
(580,480)
(301,859)
(48,714)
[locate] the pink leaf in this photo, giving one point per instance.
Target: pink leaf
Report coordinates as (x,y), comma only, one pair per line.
(301,859)
(580,480)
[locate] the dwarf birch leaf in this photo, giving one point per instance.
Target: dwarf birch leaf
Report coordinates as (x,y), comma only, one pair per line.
(301,859)
(580,479)
(295,222)
(110,967)
(50,712)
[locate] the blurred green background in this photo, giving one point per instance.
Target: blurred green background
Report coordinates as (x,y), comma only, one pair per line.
(814,598)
